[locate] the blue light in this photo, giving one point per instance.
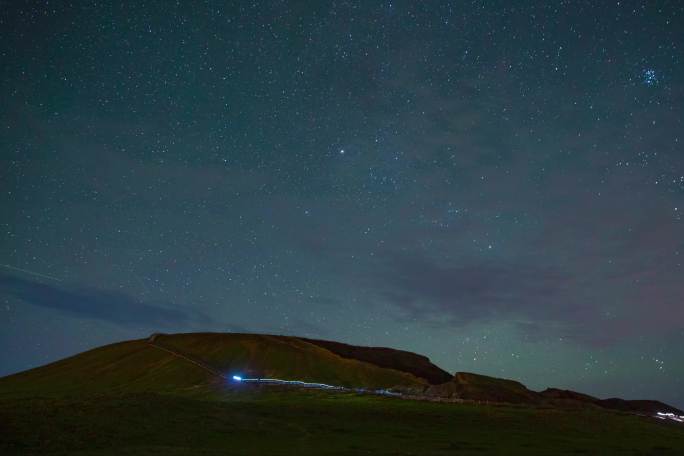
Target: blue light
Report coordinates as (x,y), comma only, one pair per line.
(302,384)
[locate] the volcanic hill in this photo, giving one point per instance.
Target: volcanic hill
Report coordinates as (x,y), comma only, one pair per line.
(206,361)
(151,365)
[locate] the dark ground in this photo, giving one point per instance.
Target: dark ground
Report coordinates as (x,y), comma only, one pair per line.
(311,422)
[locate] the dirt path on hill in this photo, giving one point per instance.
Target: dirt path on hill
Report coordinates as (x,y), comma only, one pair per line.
(190,359)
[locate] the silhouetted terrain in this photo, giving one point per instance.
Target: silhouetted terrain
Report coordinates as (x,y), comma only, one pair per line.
(173,394)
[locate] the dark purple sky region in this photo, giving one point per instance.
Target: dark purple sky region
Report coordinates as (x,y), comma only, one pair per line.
(497,185)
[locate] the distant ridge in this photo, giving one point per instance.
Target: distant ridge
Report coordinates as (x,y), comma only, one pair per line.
(206,361)
(476,387)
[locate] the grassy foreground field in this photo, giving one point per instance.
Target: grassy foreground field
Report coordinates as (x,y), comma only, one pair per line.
(272,422)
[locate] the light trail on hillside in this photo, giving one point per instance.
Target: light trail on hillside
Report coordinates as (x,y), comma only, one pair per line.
(277,381)
(152,341)
(302,384)
(670,416)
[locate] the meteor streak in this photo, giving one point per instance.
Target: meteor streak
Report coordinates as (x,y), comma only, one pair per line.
(26,271)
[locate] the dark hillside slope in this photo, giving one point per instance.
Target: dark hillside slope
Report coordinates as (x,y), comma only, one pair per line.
(555,393)
(404,361)
(567,397)
(121,367)
(638,406)
(481,388)
(139,366)
(475,387)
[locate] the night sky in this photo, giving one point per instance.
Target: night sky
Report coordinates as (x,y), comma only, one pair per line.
(498,185)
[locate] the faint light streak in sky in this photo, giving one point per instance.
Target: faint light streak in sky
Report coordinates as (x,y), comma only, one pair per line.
(33,273)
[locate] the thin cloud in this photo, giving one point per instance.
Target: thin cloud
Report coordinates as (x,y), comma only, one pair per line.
(107,305)
(468,292)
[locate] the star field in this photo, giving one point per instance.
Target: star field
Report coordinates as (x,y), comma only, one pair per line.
(495,185)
